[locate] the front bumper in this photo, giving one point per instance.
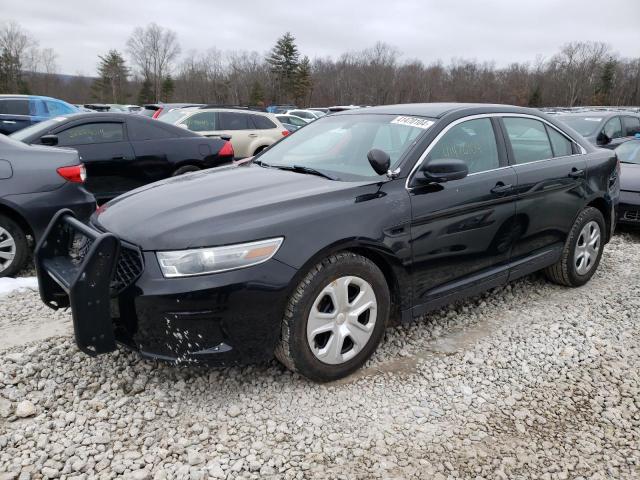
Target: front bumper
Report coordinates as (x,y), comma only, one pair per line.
(629,208)
(219,319)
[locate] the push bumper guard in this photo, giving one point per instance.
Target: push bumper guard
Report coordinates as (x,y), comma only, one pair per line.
(80,283)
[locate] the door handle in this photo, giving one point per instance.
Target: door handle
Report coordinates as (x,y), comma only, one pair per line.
(253,135)
(120,157)
(501,188)
(575,173)
(10,122)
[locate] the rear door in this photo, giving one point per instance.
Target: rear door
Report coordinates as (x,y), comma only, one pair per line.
(15,115)
(241,129)
(106,153)
(155,149)
(551,186)
(631,126)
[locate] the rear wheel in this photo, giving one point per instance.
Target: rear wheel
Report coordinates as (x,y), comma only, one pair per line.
(14,248)
(185,169)
(335,319)
(582,251)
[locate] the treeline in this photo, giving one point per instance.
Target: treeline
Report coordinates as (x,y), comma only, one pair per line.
(154,68)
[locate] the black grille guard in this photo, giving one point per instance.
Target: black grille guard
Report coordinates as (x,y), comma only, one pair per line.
(82,285)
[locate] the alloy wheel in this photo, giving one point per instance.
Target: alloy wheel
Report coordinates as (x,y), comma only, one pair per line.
(7,249)
(342,320)
(587,248)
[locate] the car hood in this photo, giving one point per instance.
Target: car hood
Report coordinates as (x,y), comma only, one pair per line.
(630,177)
(217,207)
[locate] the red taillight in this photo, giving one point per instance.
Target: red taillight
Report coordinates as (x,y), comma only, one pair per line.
(75,173)
(157,113)
(226,150)
(285,133)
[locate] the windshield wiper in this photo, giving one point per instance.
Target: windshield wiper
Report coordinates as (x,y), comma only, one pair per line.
(261,163)
(303,169)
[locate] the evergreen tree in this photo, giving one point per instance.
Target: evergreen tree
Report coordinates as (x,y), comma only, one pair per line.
(606,81)
(256,96)
(112,79)
(302,81)
(146,92)
(283,61)
(168,87)
(535,98)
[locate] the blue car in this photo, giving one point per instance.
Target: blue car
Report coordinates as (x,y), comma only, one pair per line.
(20,111)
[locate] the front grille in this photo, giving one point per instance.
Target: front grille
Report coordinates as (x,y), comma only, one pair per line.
(632,215)
(130,263)
(130,266)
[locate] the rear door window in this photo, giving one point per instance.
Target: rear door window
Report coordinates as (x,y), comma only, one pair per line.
(58,108)
(528,138)
(234,121)
(12,106)
(562,146)
(631,126)
(202,122)
(91,133)
(141,130)
(262,123)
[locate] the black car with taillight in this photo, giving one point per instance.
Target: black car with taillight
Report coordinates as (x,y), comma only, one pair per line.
(122,151)
(35,183)
(307,251)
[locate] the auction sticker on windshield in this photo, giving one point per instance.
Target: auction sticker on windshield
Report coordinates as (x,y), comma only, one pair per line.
(412,122)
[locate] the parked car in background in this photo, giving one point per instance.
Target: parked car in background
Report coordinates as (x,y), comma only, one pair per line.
(629,155)
(291,128)
(20,111)
(306,251)
(307,115)
(157,110)
(606,129)
(279,108)
(291,120)
(321,111)
(250,131)
(122,151)
(97,107)
(35,182)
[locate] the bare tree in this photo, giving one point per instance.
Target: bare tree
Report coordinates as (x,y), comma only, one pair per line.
(153,50)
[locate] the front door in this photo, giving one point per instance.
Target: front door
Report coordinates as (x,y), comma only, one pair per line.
(551,186)
(106,154)
(462,231)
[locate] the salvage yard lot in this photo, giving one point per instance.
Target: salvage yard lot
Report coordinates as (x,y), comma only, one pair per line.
(529,379)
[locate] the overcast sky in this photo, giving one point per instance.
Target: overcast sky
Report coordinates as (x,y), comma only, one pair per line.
(498,30)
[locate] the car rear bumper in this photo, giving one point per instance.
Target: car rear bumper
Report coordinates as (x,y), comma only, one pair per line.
(629,208)
(39,208)
(220,319)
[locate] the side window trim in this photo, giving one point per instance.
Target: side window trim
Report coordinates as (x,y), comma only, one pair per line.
(423,156)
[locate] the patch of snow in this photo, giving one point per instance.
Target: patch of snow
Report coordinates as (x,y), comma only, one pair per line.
(8,284)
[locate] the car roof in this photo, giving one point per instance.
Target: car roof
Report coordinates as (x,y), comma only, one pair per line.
(599,113)
(437,110)
(41,97)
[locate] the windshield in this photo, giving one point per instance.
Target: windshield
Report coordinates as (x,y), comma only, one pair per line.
(41,127)
(338,144)
(585,126)
(173,117)
(629,152)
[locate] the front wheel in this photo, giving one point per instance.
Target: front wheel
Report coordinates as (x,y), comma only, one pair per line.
(335,318)
(582,251)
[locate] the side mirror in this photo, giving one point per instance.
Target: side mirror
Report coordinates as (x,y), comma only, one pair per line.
(445,170)
(49,140)
(379,161)
(603,139)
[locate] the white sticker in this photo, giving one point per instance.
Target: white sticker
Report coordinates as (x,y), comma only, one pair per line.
(592,119)
(413,122)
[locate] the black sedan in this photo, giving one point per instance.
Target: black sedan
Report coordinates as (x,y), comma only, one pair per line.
(122,152)
(306,251)
(629,156)
(35,182)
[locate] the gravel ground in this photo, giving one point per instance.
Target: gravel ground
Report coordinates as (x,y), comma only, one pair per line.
(528,381)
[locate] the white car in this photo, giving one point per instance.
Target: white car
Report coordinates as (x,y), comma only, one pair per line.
(250,131)
(307,115)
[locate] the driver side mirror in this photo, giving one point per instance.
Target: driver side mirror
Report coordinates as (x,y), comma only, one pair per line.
(603,139)
(445,170)
(379,161)
(49,140)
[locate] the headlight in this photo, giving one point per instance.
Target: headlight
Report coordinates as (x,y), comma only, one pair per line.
(200,261)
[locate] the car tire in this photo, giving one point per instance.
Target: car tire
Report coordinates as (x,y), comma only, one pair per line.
(185,169)
(13,242)
(582,250)
(342,295)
